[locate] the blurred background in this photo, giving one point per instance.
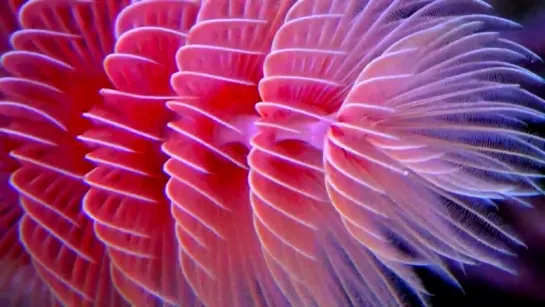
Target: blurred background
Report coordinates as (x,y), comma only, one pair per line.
(483,285)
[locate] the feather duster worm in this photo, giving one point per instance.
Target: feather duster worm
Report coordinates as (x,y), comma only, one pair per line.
(259,153)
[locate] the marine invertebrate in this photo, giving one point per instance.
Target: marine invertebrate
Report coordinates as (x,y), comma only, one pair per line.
(236,153)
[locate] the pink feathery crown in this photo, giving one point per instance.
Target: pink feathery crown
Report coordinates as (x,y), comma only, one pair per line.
(246,153)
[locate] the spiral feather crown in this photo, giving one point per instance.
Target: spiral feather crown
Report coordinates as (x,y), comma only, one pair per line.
(258,152)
